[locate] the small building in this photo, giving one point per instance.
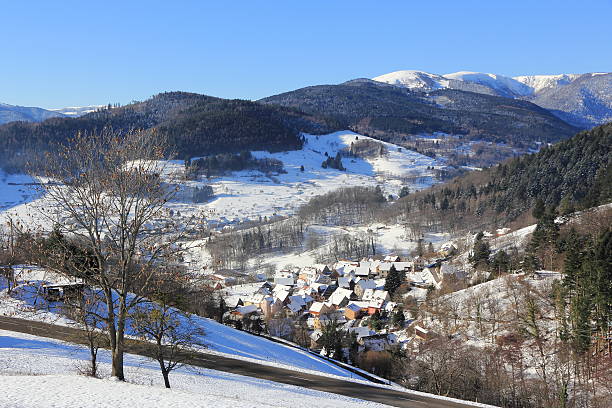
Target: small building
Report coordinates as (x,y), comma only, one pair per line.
(421,333)
(362,272)
(57,292)
(319,308)
(353,311)
(341,297)
(391,258)
(244,311)
(362,285)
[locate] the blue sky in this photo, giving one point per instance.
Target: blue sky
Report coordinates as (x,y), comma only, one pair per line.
(68,53)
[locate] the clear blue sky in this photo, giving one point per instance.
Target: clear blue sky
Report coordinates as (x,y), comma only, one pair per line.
(67,53)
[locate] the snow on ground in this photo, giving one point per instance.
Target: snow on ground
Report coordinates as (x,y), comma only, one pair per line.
(252,194)
(390,239)
(40,372)
(485,311)
(15,189)
(26,302)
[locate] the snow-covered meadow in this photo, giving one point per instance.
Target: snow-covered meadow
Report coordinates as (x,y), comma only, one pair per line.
(251,194)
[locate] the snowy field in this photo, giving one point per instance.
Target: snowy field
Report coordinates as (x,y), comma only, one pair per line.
(40,372)
(253,194)
(15,189)
(390,239)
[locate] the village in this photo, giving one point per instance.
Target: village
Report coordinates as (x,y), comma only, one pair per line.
(365,301)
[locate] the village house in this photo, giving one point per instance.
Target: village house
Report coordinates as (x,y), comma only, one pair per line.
(243,311)
(362,272)
(353,311)
(362,285)
(391,258)
(341,297)
(318,308)
(270,307)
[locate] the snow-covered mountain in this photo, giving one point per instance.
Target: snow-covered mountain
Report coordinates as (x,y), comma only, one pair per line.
(417,80)
(538,83)
(501,85)
(75,111)
(584,100)
(11,113)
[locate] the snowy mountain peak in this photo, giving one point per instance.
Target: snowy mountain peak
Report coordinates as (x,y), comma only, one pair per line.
(505,86)
(540,82)
(417,80)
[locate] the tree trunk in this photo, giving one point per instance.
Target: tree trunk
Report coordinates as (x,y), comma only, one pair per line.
(165,373)
(94,362)
(117,354)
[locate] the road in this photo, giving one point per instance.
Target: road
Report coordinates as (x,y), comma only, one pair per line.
(246,368)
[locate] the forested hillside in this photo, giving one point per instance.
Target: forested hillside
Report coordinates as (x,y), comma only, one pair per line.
(196,125)
(571,175)
(389,113)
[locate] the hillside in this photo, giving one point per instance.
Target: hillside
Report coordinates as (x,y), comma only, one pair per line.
(392,113)
(196,125)
(573,174)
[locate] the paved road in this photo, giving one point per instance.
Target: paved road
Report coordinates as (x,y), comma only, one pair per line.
(235,366)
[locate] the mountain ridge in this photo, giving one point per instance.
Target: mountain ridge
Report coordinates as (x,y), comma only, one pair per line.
(583,100)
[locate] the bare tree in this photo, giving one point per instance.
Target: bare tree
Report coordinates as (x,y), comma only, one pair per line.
(85,312)
(172,332)
(109,191)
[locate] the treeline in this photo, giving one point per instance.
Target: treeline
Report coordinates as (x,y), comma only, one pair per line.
(572,175)
(220,164)
(345,206)
(195,125)
(232,250)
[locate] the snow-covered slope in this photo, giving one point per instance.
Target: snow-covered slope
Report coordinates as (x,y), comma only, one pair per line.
(40,372)
(15,189)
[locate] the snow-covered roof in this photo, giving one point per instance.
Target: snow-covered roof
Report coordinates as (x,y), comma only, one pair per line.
(284,281)
(362,271)
(372,294)
(354,307)
(339,295)
(367,284)
(245,310)
(317,307)
(345,282)
(282,295)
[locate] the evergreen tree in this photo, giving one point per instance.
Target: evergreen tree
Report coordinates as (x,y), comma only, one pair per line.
(394,280)
(538,209)
(501,262)
(480,253)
